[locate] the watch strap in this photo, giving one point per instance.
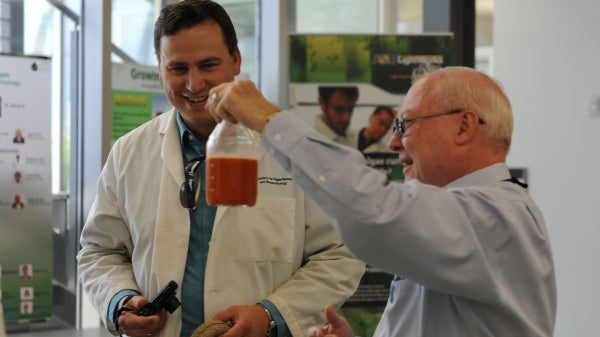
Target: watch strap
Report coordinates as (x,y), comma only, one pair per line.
(121,308)
(272,325)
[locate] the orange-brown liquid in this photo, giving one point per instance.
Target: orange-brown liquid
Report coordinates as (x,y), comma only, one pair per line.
(231,181)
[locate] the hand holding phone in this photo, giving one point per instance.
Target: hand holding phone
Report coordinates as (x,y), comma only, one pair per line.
(165,299)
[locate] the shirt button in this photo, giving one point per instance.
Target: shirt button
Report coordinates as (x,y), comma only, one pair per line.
(277,137)
(322,178)
(182,242)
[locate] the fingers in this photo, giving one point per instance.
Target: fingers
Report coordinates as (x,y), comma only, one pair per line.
(240,101)
(246,320)
(134,325)
(315,331)
(223,317)
(216,103)
(335,320)
(136,303)
(337,325)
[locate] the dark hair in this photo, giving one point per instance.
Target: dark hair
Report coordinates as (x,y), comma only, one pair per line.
(325,92)
(385,108)
(189,13)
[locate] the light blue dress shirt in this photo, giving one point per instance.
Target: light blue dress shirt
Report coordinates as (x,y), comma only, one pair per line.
(473,258)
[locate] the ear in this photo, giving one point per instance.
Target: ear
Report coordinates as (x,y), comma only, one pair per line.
(468,128)
(237,60)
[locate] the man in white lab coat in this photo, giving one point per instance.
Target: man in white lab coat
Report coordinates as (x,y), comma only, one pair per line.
(268,269)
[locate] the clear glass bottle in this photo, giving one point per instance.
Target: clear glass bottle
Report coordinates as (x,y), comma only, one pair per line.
(231,166)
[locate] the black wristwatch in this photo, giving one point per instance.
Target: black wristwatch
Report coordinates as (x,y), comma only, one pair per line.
(121,308)
(272,329)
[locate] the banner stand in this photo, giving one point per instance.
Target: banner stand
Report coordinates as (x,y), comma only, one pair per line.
(26,243)
(2,326)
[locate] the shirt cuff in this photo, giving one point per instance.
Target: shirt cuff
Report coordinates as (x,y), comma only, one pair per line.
(112,306)
(282,328)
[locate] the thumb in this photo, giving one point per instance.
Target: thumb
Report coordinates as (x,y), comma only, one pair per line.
(137,302)
(331,315)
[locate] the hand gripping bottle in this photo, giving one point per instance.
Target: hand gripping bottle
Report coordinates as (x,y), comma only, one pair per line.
(231,166)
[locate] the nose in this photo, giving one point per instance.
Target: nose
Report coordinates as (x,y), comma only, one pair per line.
(194,81)
(346,116)
(395,143)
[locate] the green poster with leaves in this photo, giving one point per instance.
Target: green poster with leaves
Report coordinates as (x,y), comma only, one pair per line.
(385,61)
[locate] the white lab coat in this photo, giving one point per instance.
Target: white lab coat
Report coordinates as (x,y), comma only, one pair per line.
(136,237)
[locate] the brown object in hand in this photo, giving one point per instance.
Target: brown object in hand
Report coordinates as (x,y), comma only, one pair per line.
(211,328)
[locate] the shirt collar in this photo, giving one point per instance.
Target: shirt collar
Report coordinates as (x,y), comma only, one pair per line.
(181,126)
(190,146)
(493,173)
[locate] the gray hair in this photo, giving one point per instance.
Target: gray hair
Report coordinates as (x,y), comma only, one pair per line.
(461,88)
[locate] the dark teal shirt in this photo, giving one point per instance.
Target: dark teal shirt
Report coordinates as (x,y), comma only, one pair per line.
(201,224)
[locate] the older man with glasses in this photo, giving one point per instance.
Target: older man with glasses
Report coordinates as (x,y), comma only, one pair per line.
(468,245)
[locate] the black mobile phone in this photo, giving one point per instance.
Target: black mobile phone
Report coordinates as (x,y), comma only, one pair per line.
(165,299)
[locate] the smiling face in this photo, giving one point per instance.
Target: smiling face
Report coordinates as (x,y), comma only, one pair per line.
(426,149)
(192,61)
(456,121)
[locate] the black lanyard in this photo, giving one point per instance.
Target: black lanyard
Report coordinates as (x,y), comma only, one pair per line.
(516,181)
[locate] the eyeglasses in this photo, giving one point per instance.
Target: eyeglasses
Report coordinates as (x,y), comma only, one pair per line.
(189,192)
(400,123)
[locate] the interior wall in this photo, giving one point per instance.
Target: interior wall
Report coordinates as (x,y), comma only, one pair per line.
(547,56)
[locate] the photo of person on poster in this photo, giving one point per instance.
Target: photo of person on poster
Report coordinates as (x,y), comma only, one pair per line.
(26,293)
(26,271)
(18,177)
(18,202)
(337,104)
(370,138)
(18,139)
(27,307)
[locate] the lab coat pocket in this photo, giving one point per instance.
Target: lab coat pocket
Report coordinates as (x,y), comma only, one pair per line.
(265,232)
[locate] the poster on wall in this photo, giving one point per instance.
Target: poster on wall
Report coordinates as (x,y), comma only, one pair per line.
(376,69)
(137,97)
(25,188)
(350,87)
